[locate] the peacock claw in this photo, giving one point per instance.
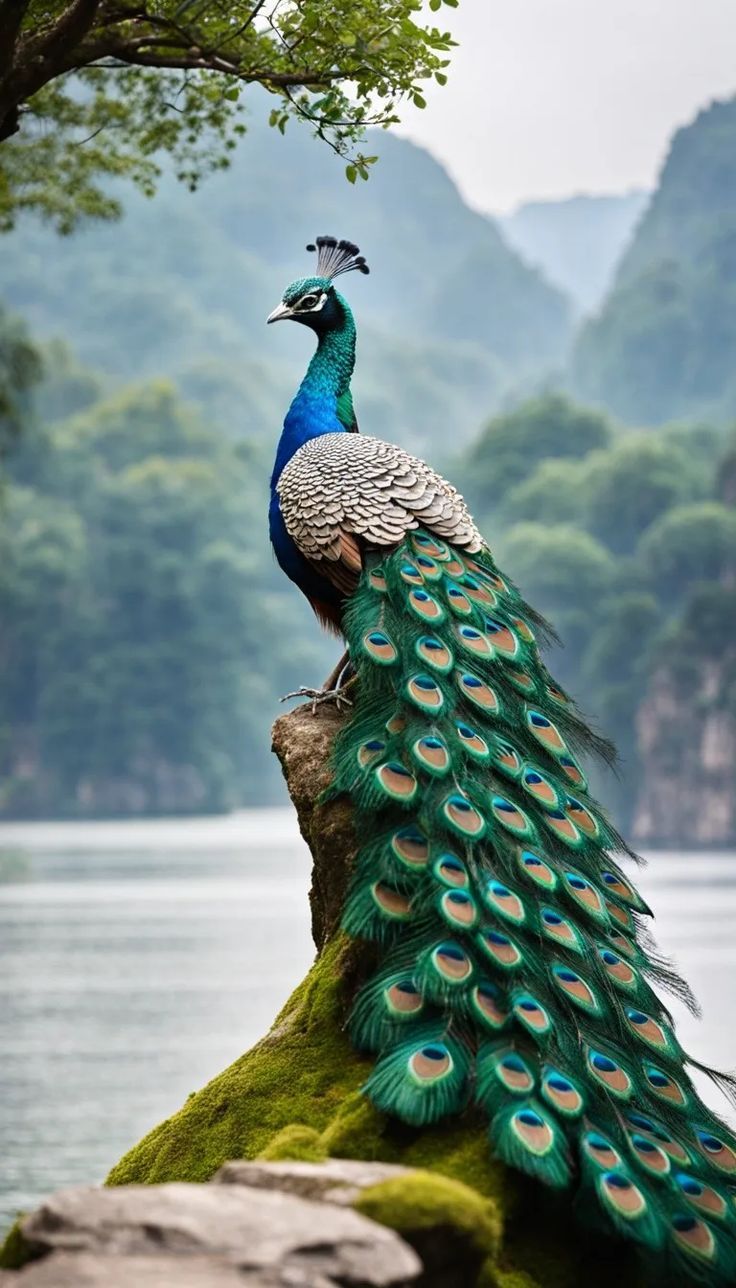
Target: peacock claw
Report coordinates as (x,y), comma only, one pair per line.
(318,696)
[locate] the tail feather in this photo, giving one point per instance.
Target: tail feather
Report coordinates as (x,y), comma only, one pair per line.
(516,969)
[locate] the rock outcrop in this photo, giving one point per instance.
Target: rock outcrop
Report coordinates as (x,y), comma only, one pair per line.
(287,1125)
(259,1232)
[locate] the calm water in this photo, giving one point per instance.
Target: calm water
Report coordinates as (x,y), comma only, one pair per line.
(137,960)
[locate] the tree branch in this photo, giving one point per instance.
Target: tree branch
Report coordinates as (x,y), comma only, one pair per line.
(12,13)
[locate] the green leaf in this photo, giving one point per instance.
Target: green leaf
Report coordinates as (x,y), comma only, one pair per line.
(351,173)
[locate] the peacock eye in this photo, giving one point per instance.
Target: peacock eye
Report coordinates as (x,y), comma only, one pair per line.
(308,301)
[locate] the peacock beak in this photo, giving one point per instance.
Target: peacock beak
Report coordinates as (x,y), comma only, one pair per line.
(281,311)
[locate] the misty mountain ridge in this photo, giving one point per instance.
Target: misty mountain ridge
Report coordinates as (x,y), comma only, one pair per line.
(576,241)
(450,320)
(663,344)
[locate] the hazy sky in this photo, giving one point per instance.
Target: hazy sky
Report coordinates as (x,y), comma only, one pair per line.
(550,97)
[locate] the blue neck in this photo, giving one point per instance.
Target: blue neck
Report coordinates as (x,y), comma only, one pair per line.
(324,392)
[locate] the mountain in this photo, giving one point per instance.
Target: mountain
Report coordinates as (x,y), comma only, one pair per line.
(576,242)
(450,317)
(662,346)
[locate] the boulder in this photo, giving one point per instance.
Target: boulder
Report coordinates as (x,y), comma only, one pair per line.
(95,1270)
(279,1237)
(337,1180)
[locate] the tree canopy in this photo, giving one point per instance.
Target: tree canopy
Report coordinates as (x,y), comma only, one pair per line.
(94,89)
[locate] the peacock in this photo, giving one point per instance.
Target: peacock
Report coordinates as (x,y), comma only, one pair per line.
(515,971)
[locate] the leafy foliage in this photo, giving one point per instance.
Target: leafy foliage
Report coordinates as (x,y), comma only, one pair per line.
(99,89)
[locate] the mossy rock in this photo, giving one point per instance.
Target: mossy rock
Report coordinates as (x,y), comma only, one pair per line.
(297,1095)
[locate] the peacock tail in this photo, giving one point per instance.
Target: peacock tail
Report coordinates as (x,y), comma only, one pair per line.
(516,974)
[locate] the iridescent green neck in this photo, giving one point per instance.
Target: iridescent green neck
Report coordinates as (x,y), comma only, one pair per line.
(328,374)
(323,404)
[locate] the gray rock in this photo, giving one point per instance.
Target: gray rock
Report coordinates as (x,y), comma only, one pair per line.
(93,1270)
(262,1231)
(338,1180)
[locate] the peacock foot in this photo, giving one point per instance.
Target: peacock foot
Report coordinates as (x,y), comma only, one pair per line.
(318,696)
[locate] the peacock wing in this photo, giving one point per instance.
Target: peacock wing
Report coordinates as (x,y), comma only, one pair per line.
(341,494)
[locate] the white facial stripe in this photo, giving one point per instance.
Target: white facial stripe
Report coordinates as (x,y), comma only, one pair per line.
(314,308)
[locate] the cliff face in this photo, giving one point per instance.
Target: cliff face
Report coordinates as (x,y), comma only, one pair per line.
(687,752)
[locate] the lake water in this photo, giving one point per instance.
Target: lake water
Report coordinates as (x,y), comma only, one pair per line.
(138,959)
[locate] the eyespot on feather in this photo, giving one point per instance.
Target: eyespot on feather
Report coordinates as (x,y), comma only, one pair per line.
(396,781)
(477,691)
(511,817)
(435,653)
(392,903)
(451,963)
(410,846)
(539,871)
(503,901)
(369,751)
(531,1015)
(502,638)
(586,896)
(474,641)
(425,606)
(665,1087)
(502,950)
(716,1151)
(403,1000)
(462,816)
(562,827)
(487,1002)
(458,601)
(609,1074)
(560,930)
(561,1093)
(472,742)
(458,909)
(431,546)
(540,787)
(545,732)
(431,754)
(380,648)
(573,986)
(425,693)
(702,1197)
(451,871)
(693,1236)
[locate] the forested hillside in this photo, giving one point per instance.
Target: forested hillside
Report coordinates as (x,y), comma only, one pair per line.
(451,318)
(663,344)
(627,543)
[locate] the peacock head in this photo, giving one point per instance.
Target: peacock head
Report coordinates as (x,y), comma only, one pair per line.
(314,300)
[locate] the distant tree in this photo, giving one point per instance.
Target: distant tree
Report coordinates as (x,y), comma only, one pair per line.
(91,89)
(558,565)
(632,485)
(511,445)
(690,544)
(554,493)
(20,371)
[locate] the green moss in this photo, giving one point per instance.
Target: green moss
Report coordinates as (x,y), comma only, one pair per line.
(14,1252)
(424,1206)
(295,1142)
(297,1095)
(301,1072)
